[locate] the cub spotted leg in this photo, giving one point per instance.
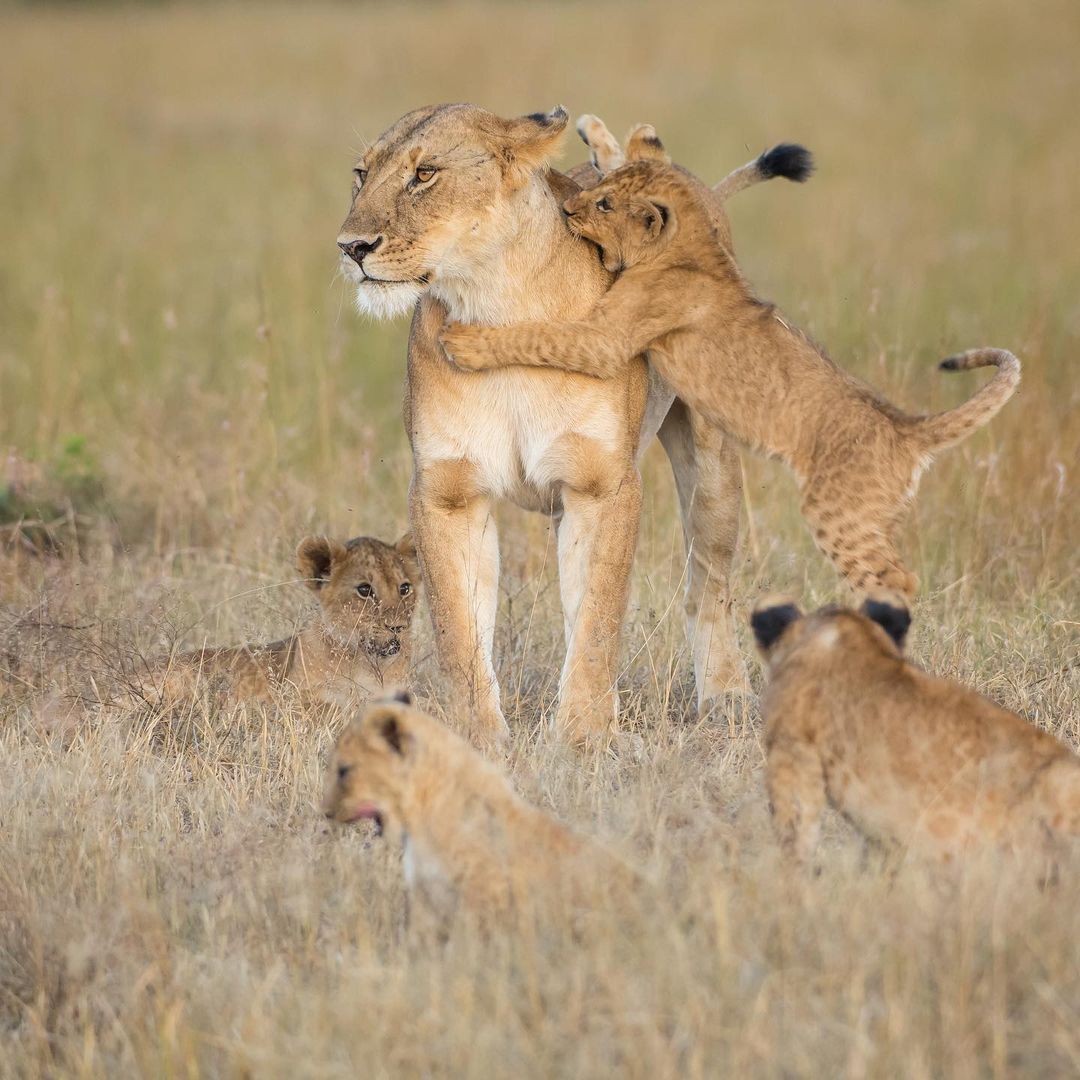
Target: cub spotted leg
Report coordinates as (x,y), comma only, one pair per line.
(597,538)
(797,795)
(708,479)
(459,554)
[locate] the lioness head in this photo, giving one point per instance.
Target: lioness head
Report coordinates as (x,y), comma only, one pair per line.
(433,197)
(629,214)
(781,629)
(366,588)
(370,771)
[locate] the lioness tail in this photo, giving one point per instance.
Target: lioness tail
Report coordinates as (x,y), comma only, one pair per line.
(789,160)
(946,429)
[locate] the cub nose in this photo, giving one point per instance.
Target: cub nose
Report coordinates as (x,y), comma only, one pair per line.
(356,249)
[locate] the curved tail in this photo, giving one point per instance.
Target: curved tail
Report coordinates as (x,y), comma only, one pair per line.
(946,429)
(789,160)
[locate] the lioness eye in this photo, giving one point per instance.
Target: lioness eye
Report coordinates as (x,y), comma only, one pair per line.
(404,588)
(424,173)
(359,175)
(365,590)
(604,205)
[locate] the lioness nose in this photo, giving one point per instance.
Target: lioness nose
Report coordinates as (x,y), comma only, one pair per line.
(357,249)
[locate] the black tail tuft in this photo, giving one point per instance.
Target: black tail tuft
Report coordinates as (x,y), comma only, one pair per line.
(789,160)
(950,363)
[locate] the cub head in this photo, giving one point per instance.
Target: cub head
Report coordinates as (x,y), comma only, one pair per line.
(434,197)
(628,215)
(781,629)
(371,769)
(366,589)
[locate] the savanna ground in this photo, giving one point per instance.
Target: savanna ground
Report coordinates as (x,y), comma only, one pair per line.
(186,391)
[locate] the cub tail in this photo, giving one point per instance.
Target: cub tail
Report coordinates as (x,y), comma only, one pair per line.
(789,160)
(946,429)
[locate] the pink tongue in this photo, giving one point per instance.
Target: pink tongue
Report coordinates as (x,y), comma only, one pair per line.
(365,810)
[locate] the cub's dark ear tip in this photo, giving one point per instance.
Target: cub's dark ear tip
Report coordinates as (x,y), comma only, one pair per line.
(789,160)
(769,623)
(403,697)
(894,619)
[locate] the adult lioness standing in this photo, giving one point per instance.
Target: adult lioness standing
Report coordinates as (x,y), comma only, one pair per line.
(457,208)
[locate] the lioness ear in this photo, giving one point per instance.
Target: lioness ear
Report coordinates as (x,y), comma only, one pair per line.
(770,619)
(643,144)
(891,614)
(315,557)
(527,142)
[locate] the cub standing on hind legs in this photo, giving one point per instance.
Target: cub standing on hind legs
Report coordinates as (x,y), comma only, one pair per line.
(906,757)
(734,360)
(357,647)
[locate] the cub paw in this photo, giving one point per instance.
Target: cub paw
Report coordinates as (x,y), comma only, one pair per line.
(464,347)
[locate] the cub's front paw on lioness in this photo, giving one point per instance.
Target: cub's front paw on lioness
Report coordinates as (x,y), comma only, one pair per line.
(467,348)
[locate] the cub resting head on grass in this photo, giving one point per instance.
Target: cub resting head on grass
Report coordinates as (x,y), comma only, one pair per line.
(734,360)
(908,758)
(467,836)
(356,647)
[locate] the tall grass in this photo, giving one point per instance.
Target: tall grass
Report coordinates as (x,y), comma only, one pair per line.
(185,390)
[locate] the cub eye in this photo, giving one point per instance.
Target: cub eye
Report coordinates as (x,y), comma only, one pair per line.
(604,205)
(404,588)
(359,176)
(343,771)
(365,590)
(424,173)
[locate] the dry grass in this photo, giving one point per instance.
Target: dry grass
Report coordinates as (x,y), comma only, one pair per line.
(185,391)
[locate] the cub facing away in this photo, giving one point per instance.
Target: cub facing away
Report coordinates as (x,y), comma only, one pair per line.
(355,647)
(907,757)
(467,836)
(733,359)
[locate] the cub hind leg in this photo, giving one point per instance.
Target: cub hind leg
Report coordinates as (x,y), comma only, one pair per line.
(797,794)
(855,529)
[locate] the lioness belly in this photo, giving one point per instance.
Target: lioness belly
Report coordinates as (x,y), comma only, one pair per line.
(524,431)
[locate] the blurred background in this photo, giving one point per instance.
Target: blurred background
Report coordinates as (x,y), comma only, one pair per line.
(180,361)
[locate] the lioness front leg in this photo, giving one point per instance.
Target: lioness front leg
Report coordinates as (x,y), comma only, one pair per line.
(572,346)
(459,555)
(597,538)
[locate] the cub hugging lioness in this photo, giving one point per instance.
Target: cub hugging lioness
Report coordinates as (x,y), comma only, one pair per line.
(731,357)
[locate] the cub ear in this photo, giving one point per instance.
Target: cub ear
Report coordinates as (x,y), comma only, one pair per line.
(643,144)
(656,217)
(527,142)
(403,696)
(393,729)
(406,548)
(770,619)
(890,612)
(315,557)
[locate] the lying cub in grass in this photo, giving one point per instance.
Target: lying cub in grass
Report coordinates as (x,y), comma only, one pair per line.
(735,361)
(467,835)
(907,757)
(356,647)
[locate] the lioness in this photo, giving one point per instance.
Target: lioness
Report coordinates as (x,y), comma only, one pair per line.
(737,363)
(357,647)
(466,834)
(907,757)
(458,209)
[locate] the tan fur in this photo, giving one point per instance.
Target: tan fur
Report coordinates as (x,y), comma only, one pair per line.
(356,647)
(907,757)
(467,835)
(733,359)
(458,207)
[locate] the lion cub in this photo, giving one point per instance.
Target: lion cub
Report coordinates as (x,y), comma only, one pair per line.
(467,835)
(735,361)
(357,645)
(907,757)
